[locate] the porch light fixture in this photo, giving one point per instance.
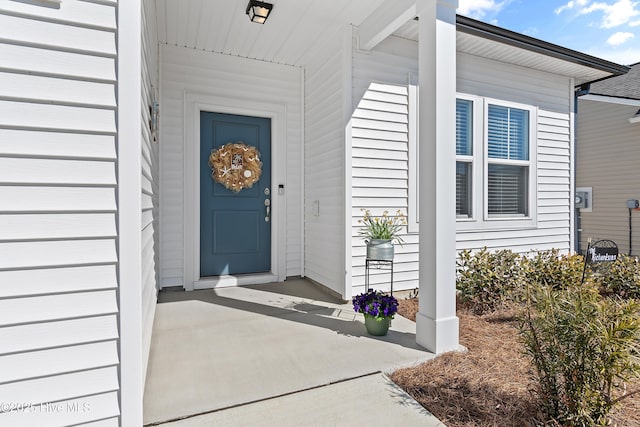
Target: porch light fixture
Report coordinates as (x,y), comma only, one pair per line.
(258,11)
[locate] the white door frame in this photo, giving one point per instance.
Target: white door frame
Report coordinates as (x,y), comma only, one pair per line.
(194,103)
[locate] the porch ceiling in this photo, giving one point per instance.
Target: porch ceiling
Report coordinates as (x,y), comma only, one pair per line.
(296,29)
(290,36)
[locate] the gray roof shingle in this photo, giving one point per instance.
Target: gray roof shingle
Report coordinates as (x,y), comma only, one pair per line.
(624,86)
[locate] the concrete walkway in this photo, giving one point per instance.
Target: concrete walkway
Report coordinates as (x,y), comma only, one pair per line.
(278,354)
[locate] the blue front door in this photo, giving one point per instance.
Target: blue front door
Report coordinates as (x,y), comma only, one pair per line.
(235,228)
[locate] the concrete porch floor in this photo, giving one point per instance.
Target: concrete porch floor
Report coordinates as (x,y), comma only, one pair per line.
(219,356)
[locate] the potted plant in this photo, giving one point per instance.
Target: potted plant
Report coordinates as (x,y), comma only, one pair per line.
(378,310)
(380,233)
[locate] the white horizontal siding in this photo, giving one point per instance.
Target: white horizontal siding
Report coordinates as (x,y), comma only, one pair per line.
(551,94)
(324,166)
(58,260)
(57,90)
(66,386)
(58,360)
(26,143)
(44,198)
(149,178)
(80,411)
(57,36)
(57,280)
(380,153)
(43,61)
(393,61)
(43,335)
(492,79)
(186,70)
(56,226)
(53,307)
(607,157)
(56,117)
(34,254)
(75,12)
(386,192)
(47,171)
(380,176)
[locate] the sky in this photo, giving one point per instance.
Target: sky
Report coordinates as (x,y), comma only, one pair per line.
(607,29)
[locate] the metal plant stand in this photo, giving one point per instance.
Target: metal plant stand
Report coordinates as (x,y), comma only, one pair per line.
(377,264)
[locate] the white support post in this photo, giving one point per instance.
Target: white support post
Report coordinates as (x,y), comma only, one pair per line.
(129,211)
(437,324)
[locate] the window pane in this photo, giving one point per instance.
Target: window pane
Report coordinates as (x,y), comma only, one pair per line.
(464,117)
(463,189)
(508,190)
(508,133)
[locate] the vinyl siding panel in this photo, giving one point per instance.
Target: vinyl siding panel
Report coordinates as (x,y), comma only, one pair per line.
(58,360)
(44,335)
(22,143)
(325,166)
(551,95)
(68,279)
(58,260)
(59,35)
(32,198)
(607,156)
(150,179)
(380,153)
(50,117)
(43,61)
(392,195)
(102,406)
(57,90)
(186,70)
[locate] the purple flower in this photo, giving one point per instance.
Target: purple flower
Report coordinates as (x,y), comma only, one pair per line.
(376,304)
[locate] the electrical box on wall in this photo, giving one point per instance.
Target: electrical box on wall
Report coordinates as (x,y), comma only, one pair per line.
(584,198)
(633,204)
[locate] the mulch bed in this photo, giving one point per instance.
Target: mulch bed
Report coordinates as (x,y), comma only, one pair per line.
(490,384)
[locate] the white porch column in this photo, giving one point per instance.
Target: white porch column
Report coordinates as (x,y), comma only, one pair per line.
(129,211)
(437,324)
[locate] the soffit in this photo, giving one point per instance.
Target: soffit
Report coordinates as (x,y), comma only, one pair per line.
(294,30)
(503,52)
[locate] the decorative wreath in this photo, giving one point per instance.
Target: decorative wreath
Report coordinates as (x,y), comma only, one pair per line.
(236,165)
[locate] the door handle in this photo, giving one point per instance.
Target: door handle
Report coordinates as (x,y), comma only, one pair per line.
(267,203)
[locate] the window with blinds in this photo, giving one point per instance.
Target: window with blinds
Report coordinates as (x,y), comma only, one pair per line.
(464,157)
(508,161)
(495,158)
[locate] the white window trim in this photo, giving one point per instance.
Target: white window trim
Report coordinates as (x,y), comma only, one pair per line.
(480,220)
(413,214)
(475,159)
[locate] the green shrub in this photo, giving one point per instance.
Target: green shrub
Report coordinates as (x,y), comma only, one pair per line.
(486,280)
(580,344)
(550,268)
(621,277)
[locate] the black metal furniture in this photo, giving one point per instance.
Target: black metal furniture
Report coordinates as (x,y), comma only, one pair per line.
(377,264)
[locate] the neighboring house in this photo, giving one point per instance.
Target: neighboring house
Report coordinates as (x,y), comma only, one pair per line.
(99,209)
(607,158)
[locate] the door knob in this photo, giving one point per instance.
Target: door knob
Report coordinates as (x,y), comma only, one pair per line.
(267,203)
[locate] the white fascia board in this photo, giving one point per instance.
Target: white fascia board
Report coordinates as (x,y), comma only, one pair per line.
(386,19)
(611,99)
